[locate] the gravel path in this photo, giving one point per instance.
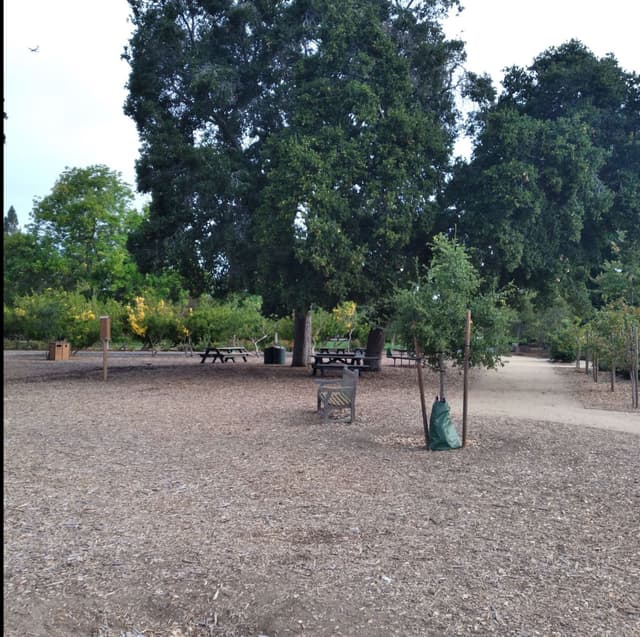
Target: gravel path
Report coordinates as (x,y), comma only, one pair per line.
(536,388)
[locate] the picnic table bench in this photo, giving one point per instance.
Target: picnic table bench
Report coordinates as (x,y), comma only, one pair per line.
(402,355)
(339,359)
(224,354)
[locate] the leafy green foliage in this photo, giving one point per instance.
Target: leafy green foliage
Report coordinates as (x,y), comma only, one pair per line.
(563,342)
(433,311)
(293,149)
(619,279)
(554,175)
(84,222)
(343,321)
(60,315)
(154,320)
(609,333)
(29,266)
(211,321)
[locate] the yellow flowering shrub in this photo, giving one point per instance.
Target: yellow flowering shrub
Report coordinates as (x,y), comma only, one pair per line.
(154,321)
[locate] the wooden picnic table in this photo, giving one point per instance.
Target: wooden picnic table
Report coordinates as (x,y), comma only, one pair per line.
(338,360)
(344,357)
(340,350)
(224,354)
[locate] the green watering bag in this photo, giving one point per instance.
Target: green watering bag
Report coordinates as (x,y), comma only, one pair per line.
(442,432)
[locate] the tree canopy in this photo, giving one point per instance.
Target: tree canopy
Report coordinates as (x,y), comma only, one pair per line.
(431,312)
(293,148)
(81,230)
(555,173)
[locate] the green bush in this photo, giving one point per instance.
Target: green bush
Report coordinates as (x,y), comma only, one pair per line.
(563,341)
(236,319)
(55,315)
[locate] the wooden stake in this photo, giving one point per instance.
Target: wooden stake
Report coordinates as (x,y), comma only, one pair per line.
(425,420)
(634,368)
(465,395)
(105,359)
(105,335)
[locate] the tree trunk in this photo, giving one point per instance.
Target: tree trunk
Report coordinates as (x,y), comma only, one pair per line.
(301,338)
(375,348)
(586,362)
(423,404)
(442,372)
(613,374)
(516,349)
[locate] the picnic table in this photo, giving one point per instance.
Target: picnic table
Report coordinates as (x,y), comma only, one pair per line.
(338,359)
(224,354)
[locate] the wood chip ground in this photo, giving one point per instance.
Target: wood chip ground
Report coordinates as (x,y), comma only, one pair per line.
(181,499)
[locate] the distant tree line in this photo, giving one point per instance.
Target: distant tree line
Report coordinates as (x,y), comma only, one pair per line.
(302,153)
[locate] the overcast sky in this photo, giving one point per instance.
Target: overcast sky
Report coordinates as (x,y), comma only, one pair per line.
(64,101)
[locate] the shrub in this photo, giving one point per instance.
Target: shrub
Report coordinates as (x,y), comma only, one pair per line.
(563,341)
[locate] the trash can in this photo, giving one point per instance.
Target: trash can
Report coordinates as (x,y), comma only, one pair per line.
(275,355)
(59,351)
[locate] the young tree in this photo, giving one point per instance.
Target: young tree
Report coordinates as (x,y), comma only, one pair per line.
(431,314)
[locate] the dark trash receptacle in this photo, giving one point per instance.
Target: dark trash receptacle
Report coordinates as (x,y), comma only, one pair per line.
(274,355)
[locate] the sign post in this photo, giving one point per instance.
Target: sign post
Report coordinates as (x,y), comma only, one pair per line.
(105,337)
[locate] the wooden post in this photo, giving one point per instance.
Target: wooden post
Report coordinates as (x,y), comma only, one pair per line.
(105,336)
(442,371)
(465,395)
(425,420)
(634,368)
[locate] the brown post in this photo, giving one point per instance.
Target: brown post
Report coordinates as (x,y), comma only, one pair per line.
(634,368)
(105,336)
(465,395)
(425,420)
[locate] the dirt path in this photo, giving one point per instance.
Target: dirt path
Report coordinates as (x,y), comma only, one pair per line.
(532,388)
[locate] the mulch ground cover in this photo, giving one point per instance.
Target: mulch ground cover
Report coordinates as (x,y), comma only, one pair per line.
(184,499)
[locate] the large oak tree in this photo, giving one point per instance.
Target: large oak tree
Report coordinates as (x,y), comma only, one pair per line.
(294,148)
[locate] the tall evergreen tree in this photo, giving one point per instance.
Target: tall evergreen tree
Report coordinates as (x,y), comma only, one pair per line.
(11,225)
